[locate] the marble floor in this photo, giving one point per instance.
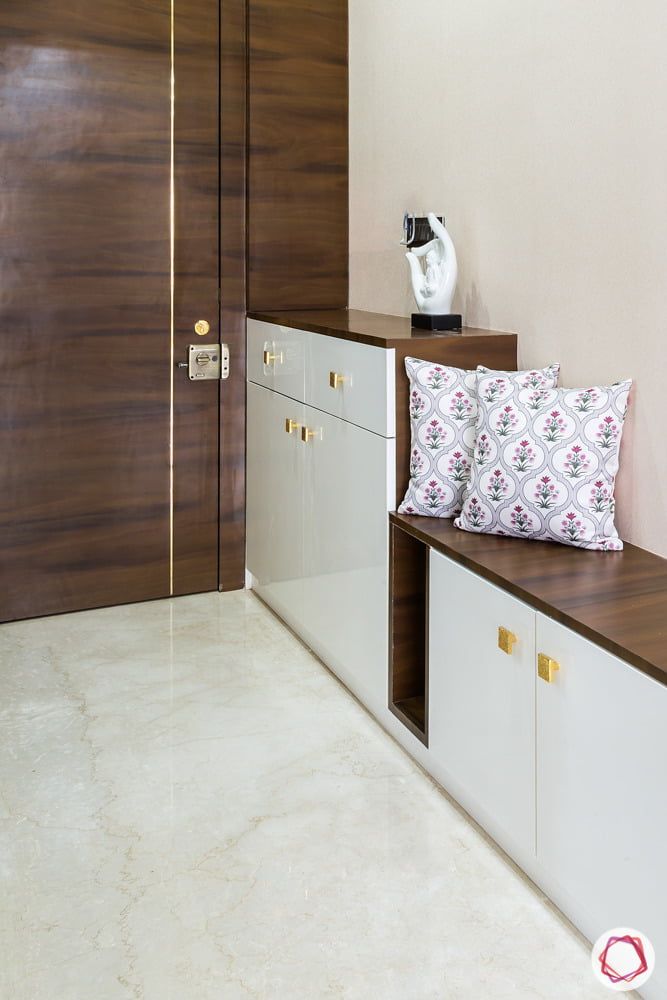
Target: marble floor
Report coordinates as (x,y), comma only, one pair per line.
(192,808)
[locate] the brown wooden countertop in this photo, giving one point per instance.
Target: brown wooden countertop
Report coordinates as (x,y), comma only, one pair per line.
(374,329)
(618,600)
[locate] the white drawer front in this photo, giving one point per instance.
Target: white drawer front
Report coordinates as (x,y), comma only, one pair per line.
(364,392)
(277,357)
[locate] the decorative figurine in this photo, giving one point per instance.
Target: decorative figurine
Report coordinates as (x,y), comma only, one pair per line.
(434,283)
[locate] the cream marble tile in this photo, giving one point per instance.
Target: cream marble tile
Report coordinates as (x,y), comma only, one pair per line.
(191,807)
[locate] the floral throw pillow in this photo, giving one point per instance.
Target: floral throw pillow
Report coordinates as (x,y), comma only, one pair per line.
(443,415)
(545,463)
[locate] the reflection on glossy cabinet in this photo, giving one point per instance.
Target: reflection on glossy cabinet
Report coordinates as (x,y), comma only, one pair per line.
(347,488)
(275,554)
(277,357)
(482,698)
(601,801)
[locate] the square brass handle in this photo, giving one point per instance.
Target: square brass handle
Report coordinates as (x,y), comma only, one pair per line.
(307,434)
(336,380)
(547,667)
(272,359)
(506,640)
(291,425)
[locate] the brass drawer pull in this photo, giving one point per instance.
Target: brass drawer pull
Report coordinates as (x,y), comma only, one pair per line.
(336,380)
(547,667)
(506,640)
(291,425)
(307,434)
(272,359)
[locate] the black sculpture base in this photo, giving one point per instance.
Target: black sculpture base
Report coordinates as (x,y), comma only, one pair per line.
(451,321)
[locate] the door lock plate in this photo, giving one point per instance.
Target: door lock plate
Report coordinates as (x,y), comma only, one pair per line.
(207,361)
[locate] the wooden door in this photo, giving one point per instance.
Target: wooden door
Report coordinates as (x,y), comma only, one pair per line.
(108,454)
(482,701)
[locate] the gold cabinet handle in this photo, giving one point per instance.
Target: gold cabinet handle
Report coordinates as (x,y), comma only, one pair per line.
(271,359)
(547,667)
(291,425)
(506,640)
(336,380)
(307,434)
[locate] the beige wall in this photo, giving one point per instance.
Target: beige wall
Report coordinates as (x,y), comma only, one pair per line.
(540,128)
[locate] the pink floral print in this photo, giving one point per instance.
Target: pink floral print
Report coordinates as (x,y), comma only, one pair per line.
(459,468)
(443,407)
(521,521)
(476,513)
(417,462)
(434,495)
(554,426)
(436,378)
(563,493)
(506,422)
(435,435)
(571,526)
(546,493)
(608,432)
(417,404)
(482,449)
(601,498)
(460,407)
(586,400)
(524,456)
(498,486)
(577,462)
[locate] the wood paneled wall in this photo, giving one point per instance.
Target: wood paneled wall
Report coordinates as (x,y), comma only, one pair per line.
(233,106)
(297,154)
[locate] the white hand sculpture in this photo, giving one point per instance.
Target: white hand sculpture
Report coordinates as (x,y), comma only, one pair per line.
(434,289)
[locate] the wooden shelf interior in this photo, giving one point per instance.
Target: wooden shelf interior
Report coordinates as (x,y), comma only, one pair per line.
(408,639)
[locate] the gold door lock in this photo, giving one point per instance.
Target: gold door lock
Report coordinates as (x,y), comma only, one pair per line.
(506,640)
(202,327)
(547,667)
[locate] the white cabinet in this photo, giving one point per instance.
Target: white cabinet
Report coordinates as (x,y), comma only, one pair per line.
(318,493)
(601,789)
(347,494)
(275,484)
(482,700)
(564,767)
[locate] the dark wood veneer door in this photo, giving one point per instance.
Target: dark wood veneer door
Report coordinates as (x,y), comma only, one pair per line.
(85,325)
(197,194)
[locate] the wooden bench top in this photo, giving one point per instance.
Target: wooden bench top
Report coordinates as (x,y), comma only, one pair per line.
(618,600)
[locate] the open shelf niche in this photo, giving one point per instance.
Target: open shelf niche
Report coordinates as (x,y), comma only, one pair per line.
(408,632)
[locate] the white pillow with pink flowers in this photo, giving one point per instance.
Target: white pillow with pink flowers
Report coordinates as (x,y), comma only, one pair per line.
(545,463)
(443,416)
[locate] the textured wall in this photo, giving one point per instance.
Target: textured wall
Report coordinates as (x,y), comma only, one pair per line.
(539,129)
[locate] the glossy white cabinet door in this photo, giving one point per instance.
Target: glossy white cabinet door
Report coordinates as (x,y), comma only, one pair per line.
(276,357)
(482,701)
(275,554)
(602,791)
(349,476)
(365,393)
